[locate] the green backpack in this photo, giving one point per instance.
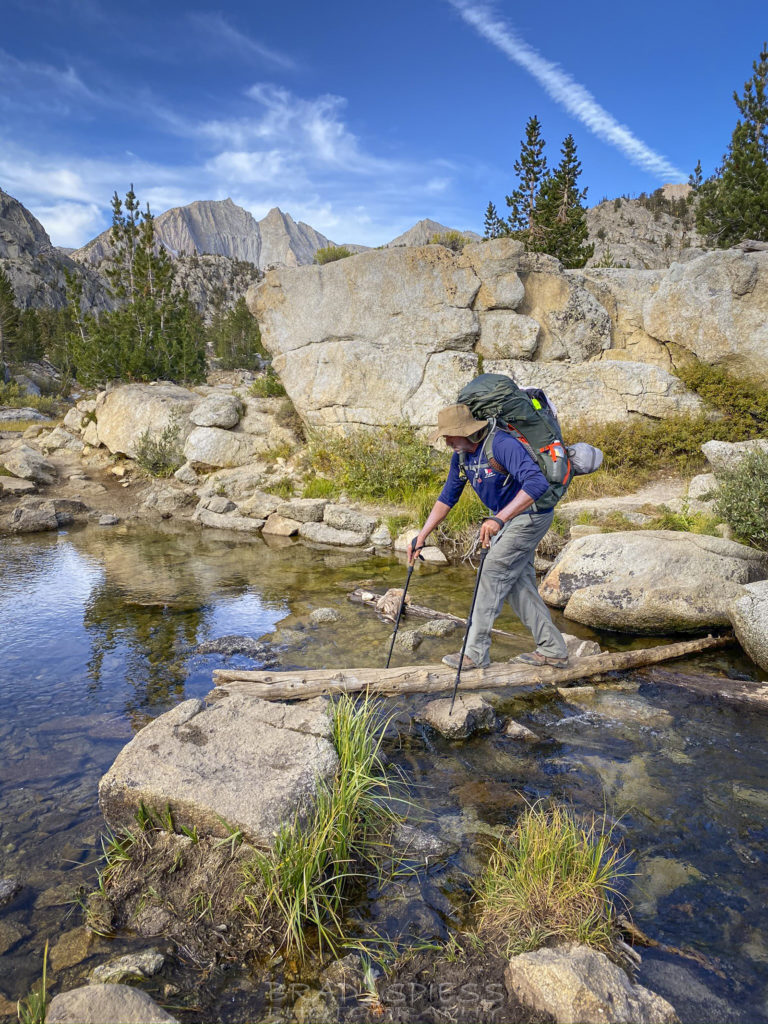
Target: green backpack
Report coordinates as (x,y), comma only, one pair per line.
(527,416)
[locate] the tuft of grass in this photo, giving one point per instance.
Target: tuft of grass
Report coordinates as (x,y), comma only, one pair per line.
(19,426)
(33,1008)
(282,488)
(319,487)
(550,877)
(315,864)
(684,521)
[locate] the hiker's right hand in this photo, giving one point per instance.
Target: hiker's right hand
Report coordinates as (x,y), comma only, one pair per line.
(414,548)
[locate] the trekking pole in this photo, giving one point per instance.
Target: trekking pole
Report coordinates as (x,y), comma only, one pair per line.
(483,553)
(402,604)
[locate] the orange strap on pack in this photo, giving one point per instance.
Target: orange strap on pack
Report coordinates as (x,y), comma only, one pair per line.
(552,449)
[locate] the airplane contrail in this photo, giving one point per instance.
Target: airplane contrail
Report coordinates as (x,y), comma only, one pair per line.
(565,90)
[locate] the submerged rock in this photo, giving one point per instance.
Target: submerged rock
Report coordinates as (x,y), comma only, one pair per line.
(232,644)
(132,966)
(576,983)
(438,627)
(106,1004)
(321,616)
(471,714)
(9,888)
(250,763)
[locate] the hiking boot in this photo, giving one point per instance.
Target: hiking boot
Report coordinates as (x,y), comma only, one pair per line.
(453,661)
(540,660)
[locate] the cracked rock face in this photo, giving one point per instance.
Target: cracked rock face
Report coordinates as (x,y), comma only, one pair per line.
(250,762)
(127,412)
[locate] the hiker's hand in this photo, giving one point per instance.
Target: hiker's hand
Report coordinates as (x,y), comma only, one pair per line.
(488,531)
(414,548)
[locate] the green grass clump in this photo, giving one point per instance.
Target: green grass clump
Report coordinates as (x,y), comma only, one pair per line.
(316,864)
(319,487)
(33,1008)
(742,499)
(331,253)
(268,385)
(550,877)
(684,521)
(389,463)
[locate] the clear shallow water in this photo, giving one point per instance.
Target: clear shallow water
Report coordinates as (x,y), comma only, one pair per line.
(97,635)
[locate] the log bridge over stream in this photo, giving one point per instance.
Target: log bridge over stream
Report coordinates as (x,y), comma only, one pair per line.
(514,679)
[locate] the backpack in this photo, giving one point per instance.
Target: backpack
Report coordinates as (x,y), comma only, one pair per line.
(528,416)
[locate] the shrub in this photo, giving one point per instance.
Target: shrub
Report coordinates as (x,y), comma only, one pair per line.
(161,454)
(388,463)
(14,396)
(453,240)
(550,877)
(331,253)
(742,499)
(268,385)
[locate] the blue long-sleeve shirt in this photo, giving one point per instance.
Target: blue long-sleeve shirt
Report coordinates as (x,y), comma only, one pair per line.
(496,490)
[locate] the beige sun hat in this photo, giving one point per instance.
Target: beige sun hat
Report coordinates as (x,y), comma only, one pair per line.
(456,421)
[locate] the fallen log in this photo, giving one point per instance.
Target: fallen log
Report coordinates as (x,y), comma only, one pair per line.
(370,597)
(303,684)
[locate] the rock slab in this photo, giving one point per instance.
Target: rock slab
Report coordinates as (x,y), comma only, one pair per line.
(749,617)
(250,762)
(106,1004)
(576,983)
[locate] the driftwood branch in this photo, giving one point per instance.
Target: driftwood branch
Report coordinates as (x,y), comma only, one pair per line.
(301,685)
(370,597)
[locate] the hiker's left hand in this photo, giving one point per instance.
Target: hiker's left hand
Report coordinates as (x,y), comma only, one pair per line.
(488,531)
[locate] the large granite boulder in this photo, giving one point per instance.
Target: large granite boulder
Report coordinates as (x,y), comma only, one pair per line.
(576,983)
(352,340)
(623,293)
(215,448)
(715,308)
(27,463)
(724,456)
(106,1004)
(749,615)
(651,580)
(250,763)
(217,410)
(604,391)
(127,412)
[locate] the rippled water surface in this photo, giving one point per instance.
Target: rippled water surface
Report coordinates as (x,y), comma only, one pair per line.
(98,630)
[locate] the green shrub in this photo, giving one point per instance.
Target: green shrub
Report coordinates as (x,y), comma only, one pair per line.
(268,385)
(742,499)
(453,240)
(550,878)
(684,521)
(331,253)
(14,396)
(161,454)
(387,463)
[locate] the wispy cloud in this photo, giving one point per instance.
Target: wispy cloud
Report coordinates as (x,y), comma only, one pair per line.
(224,36)
(565,90)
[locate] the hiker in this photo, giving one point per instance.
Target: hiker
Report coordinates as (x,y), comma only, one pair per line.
(508,481)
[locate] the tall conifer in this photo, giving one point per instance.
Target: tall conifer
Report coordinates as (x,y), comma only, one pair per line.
(9,319)
(733,203)
(560,212)
(531,170)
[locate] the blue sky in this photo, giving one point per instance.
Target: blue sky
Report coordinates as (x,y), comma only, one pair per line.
(358,118)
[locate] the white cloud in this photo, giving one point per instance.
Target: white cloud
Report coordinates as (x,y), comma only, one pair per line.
(563,88)
(71,224)
(218,32)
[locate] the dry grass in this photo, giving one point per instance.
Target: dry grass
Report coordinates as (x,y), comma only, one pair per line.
(550,877)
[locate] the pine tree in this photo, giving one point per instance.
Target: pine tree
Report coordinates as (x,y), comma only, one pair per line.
(154,332)
(494,226)
(560,213)
(9,319)
(531,170)
(733,203)
(236,338)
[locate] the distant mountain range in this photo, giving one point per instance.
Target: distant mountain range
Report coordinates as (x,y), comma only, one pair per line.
(625,232)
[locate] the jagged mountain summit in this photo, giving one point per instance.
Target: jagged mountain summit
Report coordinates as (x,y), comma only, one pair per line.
(222,228)
(424,230)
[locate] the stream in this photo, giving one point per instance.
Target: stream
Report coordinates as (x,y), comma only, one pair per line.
(98,632)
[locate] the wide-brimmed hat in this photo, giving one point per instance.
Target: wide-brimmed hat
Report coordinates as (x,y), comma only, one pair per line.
(456,421)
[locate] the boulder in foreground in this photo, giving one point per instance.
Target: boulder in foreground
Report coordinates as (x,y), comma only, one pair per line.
(749,616)
(576,983)
(249,763)
(106,1004)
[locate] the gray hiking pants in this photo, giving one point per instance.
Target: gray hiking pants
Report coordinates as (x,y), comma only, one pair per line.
(508,574)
